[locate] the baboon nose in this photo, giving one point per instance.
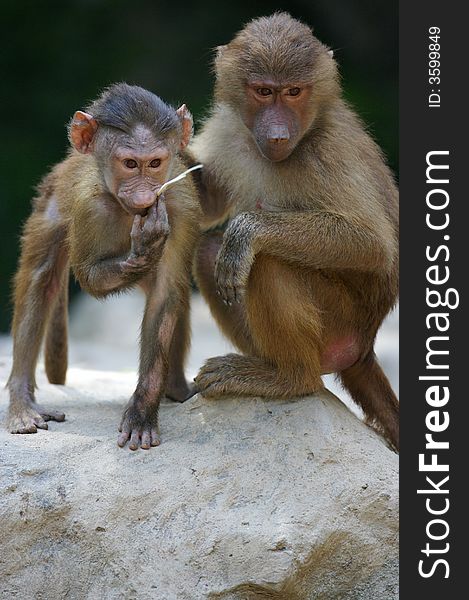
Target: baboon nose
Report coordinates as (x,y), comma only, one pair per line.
(278,134)
(144,199)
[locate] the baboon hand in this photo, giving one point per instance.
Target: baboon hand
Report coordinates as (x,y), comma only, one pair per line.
(149,233)
(232,267)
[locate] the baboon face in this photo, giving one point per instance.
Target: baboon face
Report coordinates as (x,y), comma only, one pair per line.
(134,158)
(278,78)
(277,115)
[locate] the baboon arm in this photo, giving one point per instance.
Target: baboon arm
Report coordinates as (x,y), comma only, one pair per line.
(98,257)
(103,276)
(322,240)
(158,325)
(213,200)
(106,261)
(139,423)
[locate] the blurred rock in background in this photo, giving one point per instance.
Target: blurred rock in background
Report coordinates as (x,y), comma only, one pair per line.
(104,336)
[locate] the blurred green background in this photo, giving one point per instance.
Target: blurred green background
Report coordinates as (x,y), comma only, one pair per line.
(57,55)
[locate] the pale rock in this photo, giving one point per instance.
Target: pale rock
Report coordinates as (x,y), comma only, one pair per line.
(244,499)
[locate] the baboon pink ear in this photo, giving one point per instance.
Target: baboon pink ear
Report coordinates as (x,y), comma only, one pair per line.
(82,131)
(331,53)
(187,125)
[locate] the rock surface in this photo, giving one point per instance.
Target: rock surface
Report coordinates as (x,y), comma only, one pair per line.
(244,499)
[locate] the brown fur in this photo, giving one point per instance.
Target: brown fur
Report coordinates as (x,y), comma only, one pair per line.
(78,224)
(310,245)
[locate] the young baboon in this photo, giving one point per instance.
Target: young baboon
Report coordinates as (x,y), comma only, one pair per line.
(99,212)
(307,267)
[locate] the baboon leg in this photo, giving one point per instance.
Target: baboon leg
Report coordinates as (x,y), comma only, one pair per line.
(285,352)
(237,375)
(176,387)
(56,342)
(37,285)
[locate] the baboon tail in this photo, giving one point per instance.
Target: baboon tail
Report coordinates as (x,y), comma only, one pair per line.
(370,389)
(56,339)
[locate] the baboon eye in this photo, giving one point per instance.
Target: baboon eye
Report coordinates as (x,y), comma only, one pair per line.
(264,91)
(155,163)
(294,91)
(130,163)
